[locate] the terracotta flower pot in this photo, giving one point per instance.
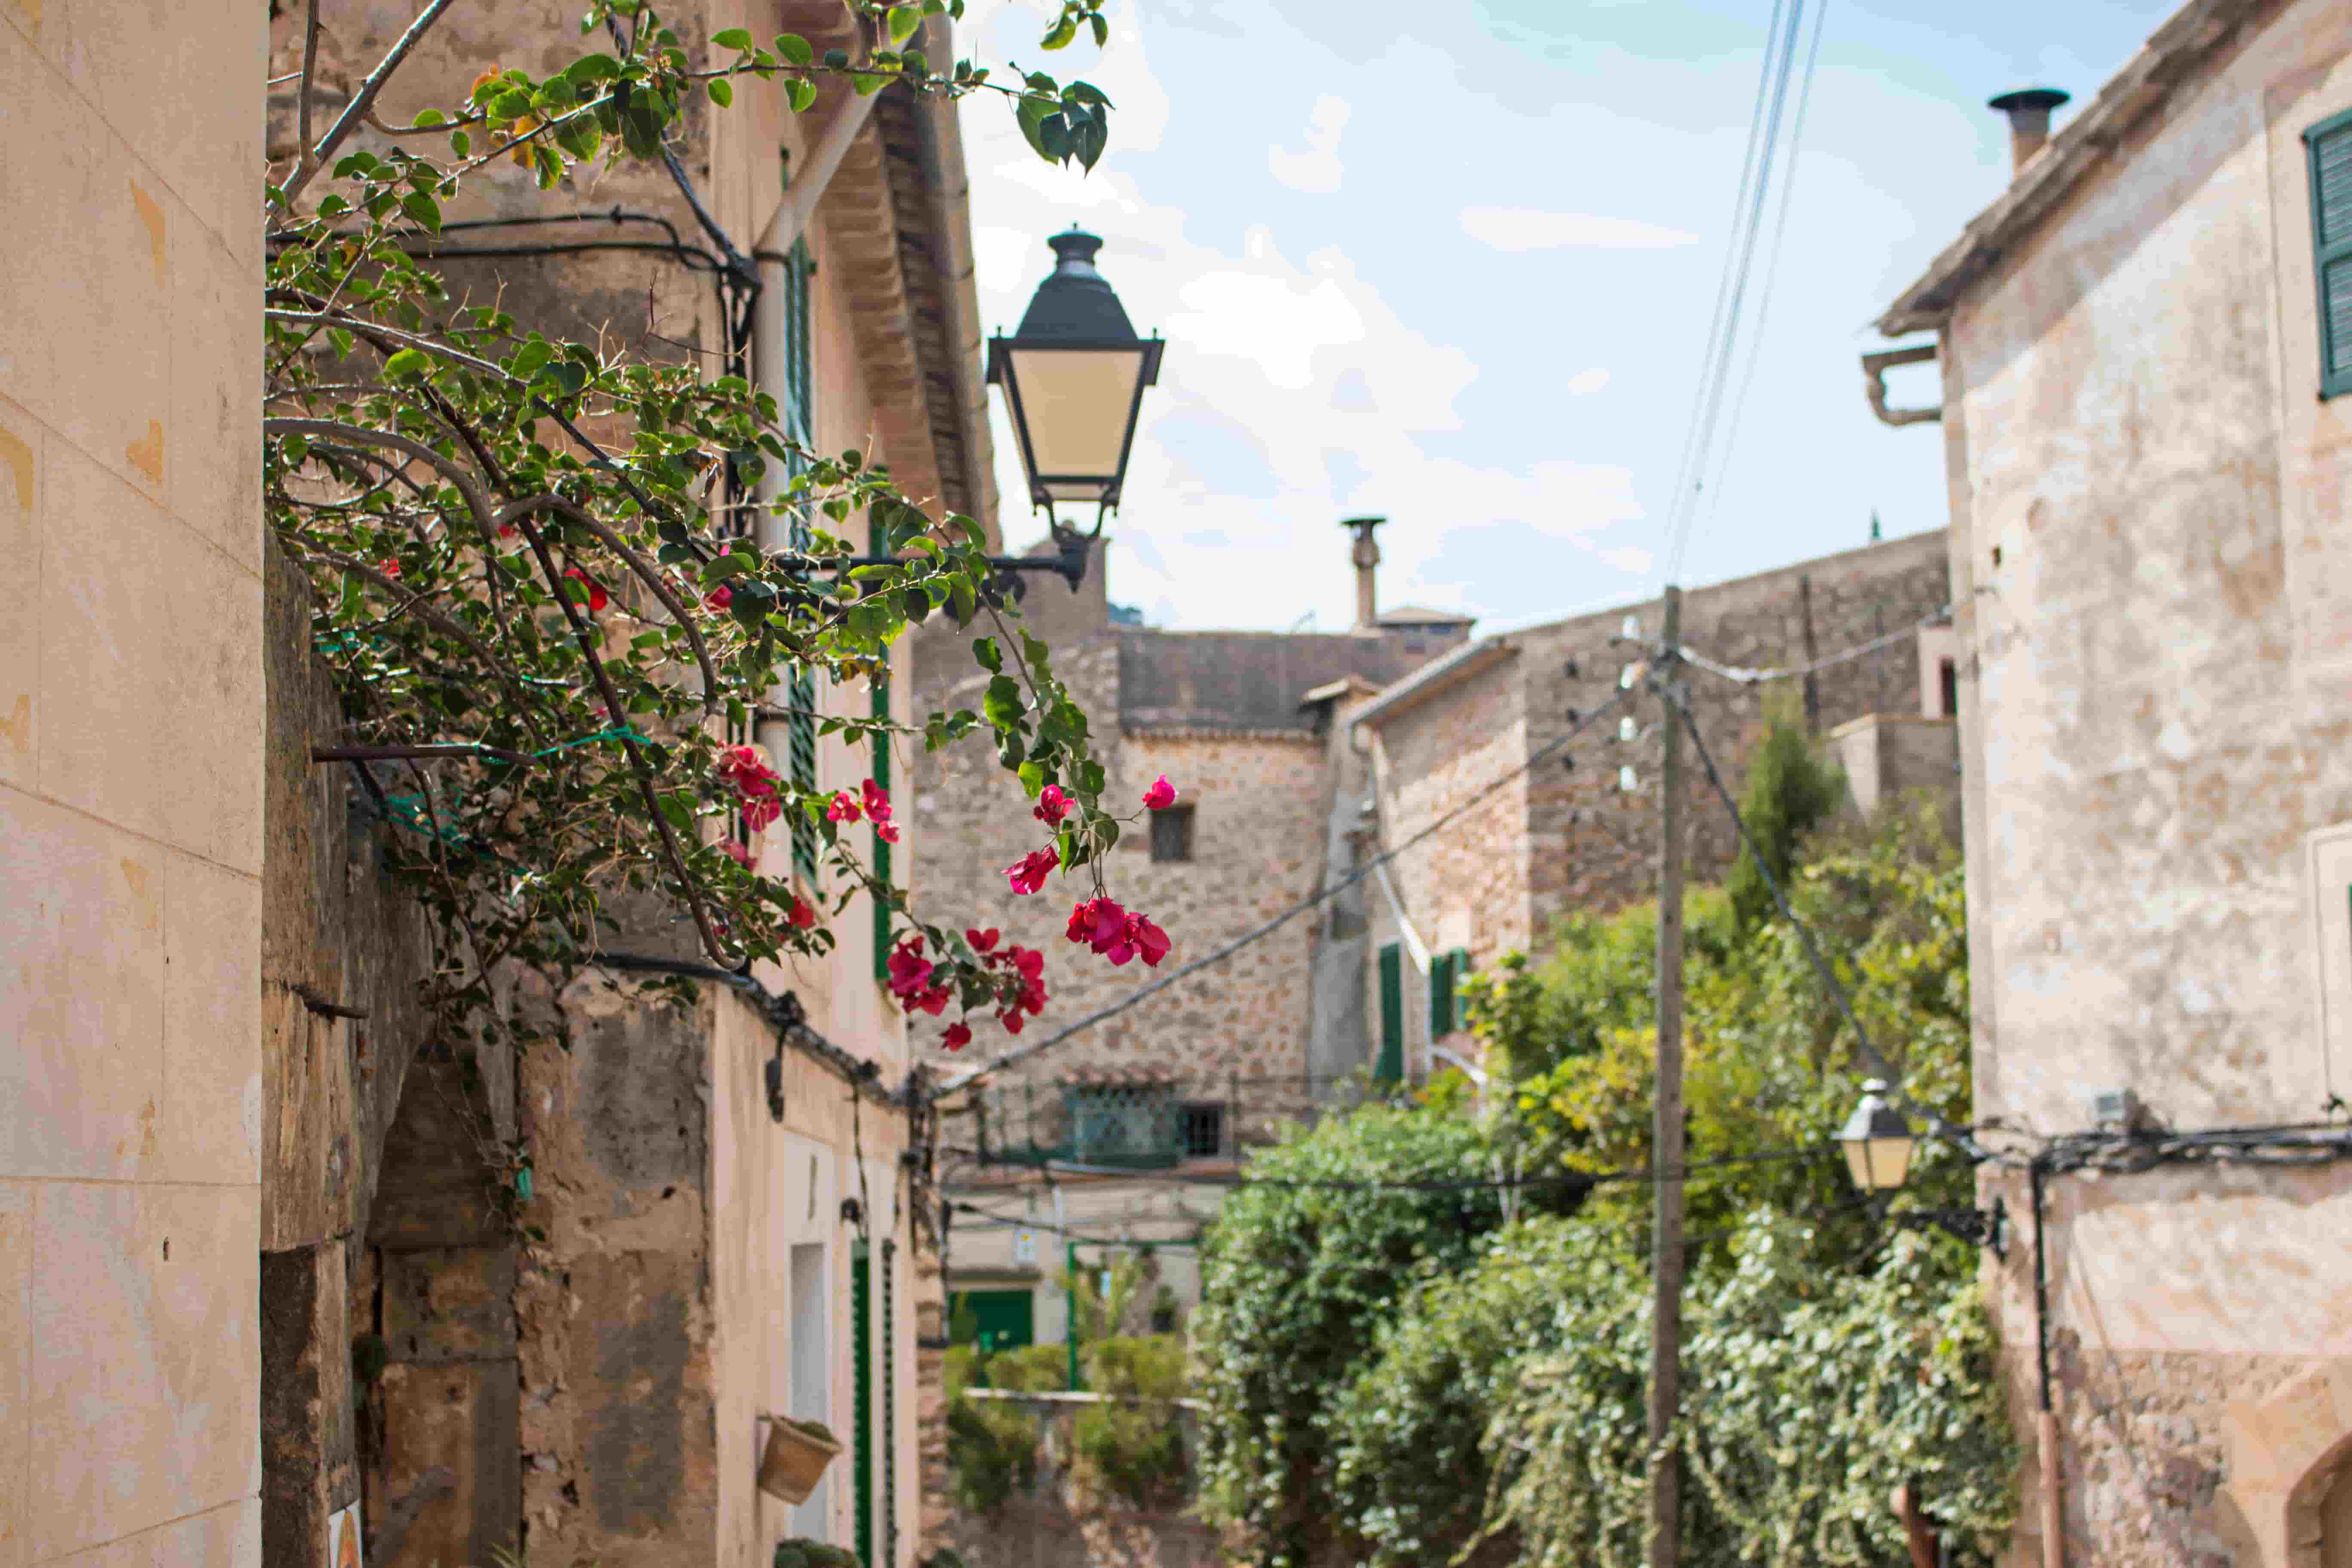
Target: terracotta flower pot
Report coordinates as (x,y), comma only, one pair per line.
(795,1459)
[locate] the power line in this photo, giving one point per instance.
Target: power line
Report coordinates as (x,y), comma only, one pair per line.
(1285,917)
(1750,677)
(1637,1175)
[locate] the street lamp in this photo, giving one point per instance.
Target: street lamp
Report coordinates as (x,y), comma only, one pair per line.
(1074,377)
(1878,1144)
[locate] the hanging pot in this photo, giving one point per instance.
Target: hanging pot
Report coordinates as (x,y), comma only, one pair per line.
(796,1455)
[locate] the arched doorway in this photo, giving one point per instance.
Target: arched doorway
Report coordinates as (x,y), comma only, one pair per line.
(2336,1519)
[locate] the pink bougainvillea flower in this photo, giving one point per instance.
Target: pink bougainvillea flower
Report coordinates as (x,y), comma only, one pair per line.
(1012,1020)
(982,941)
(718,598)
(801,915)
(1100,923)
(1149,940)
(1161,795)
(841,808)
(911,972)
(1027,961)
(958,1036)
(886,831)
(875,799)
(506,530)
(1052,805)
(759,813)
(597,597)
(389,566)
(735,850)
(1028,873)
(933,1000)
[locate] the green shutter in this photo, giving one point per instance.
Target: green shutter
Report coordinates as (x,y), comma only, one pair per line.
(1440,995)
(890,1402)
(1389,1068)
(2329,144)
(861,1339)
(796,414)
(877,544)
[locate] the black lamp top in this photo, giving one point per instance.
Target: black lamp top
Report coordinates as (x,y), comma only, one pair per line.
(1074,304)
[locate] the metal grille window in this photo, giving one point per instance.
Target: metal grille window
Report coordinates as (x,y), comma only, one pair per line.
(1123,1124)
(2329,144)
(1172,834)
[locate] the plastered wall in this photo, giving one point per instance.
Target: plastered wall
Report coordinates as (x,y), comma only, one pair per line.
(131,782)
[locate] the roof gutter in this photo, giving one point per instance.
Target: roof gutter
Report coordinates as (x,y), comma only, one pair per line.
(947,182)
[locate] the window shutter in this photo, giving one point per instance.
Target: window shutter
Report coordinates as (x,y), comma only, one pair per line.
(877,544)
(2330,146)
(796,412)
(861,1339)
(1389,1068)
(1440,995)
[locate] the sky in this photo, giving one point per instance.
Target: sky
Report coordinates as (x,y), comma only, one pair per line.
(1453,262)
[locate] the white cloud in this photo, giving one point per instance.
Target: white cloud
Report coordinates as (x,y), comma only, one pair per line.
(1628,558)
(1524,229)
(1317,171)
(1585,382)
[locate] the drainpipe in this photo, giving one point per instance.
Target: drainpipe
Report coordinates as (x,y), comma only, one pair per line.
(2046,1420)
(1874,378)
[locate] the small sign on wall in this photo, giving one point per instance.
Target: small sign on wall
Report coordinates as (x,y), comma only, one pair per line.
(343,1538)
(2329,868)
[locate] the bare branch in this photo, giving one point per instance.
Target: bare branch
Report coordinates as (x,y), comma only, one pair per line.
(355,111)
(306,160)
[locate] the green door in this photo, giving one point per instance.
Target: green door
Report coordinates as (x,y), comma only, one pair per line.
(1001,1319)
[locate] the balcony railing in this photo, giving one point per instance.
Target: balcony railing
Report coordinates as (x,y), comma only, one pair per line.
(1143,1120)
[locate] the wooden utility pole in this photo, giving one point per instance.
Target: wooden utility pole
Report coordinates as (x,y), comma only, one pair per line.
(1812,682)
(1667,1135)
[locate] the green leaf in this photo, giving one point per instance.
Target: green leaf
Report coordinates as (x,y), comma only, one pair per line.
(1060,34)
(720,94)
(1003,703)
(460,143)
(795,49)
(407,362)
(904,20)
(801,93)
(589,69)
(868,83)
(429,117)
(985,651)
(1033,778)
(731,38)
(1102,30)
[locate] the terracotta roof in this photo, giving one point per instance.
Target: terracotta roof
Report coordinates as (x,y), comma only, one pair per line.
(2171,55)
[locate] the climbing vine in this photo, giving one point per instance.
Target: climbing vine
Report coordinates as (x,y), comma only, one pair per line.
(534,568)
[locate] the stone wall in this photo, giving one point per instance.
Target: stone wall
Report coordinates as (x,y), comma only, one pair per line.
(1563,838)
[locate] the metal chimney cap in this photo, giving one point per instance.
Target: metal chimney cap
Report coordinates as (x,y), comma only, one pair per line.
(2043,97)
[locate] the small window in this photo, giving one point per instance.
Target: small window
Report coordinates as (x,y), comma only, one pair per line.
(1172,834)
(2329,144)
(1948,682)
(1202,1128)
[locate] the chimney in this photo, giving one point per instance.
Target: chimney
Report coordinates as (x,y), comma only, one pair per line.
(2029,120)
(1367,557)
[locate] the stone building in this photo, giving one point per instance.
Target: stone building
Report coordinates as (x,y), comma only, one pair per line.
(276,1263)
(1548,830)
(1248,727)
(2143,342)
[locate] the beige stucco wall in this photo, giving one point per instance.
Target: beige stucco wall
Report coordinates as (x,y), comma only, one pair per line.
(131,782)
(2148,557)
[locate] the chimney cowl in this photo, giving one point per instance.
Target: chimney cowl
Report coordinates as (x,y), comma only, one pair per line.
(1367,558)
(2028,110)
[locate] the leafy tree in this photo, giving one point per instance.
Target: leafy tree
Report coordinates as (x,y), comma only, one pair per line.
(1790,790)
(1298,1272)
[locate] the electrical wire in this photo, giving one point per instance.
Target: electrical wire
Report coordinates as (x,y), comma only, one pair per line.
(1267,929)
(1636,1176)
(1750,677)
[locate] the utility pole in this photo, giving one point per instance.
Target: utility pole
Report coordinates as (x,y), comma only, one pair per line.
(1666,1134)
(1812,680)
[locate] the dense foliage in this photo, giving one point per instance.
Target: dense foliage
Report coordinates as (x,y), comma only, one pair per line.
(1476,1391)
(1298,1272)
(1130,1448)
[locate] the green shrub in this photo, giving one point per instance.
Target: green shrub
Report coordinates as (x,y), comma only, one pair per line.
(1296,1280)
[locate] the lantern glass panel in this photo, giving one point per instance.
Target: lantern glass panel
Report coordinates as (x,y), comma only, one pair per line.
(1076,402)
(1878,1164)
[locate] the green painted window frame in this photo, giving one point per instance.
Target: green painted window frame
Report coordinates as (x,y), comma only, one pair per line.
(877,544)
(1390,1065)
(890,1400)
(2330,250)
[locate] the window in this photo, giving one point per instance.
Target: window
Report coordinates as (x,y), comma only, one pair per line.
(1172,834)
(1000,1320)
(1447,971)
(1390,1067)
(1200,1132)
(1132,1125)
(1947,683)
(2329,144)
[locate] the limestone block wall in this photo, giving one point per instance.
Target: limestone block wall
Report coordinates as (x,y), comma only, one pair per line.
(130,784)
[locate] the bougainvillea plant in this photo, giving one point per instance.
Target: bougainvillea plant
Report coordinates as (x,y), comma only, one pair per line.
(533,566)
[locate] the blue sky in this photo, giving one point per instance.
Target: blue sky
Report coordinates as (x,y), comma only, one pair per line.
(1453,262)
